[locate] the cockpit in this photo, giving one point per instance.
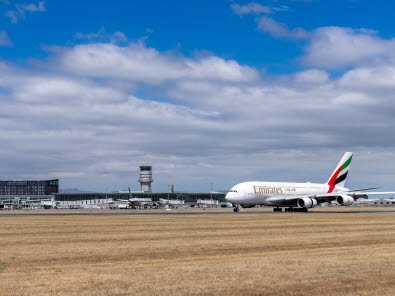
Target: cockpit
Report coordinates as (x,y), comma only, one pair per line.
(232,195)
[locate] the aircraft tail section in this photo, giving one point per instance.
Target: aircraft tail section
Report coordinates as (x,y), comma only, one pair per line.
(339,175)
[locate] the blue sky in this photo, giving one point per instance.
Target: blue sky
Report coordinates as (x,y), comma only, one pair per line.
(224,91)
(190,26)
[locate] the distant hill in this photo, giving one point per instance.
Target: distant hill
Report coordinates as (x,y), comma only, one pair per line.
(73,190)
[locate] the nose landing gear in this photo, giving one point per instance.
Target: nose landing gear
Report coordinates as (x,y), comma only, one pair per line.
(236,209)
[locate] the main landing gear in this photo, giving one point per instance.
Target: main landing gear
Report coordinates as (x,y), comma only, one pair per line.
(304,210)
(278,209)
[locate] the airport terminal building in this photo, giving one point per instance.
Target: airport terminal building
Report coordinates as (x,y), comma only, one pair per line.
(145,180)
(23,194)
(39,187)
(20,193)
(86,199)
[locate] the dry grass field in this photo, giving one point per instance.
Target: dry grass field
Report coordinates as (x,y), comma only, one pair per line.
(276,254)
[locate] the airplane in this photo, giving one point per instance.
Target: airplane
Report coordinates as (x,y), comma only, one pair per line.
(299,197)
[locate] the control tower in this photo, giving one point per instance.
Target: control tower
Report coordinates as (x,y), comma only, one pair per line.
(146,178)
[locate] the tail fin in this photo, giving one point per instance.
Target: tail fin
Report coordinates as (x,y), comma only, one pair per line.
(340,173)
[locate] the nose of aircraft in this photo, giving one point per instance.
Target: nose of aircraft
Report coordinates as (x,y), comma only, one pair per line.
(230,197)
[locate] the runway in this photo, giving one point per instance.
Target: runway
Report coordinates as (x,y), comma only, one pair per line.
(188,213)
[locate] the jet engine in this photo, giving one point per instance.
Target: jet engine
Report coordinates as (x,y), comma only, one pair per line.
(345,200)
(307,202)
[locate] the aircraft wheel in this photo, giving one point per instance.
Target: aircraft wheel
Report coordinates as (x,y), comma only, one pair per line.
(280,209)
(236,209)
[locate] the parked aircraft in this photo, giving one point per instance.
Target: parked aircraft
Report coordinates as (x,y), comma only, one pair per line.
(299,197)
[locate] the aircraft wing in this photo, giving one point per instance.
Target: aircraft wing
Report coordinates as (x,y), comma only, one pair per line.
(286,200)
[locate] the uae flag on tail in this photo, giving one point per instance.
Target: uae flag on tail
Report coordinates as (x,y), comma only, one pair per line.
(340,174)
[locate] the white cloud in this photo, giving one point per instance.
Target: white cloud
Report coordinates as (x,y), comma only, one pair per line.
(13,15)
(250,8)
(102,35)
(353,98)
(277,29)
(31,7)
(281,8)
(5,39)
(212,119)
(137,62)
(334,47)
(21,9)
(312,76)
(374,77)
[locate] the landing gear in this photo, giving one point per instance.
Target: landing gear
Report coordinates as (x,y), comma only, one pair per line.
(236,209)
(278,209)
(300,209)
(297,210)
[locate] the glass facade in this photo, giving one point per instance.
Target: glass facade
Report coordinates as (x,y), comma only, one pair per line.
(16,187)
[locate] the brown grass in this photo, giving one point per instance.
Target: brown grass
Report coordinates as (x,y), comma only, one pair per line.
(282,254)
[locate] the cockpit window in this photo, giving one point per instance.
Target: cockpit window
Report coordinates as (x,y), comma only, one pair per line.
(235,191)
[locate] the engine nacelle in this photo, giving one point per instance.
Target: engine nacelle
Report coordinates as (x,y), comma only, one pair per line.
(345,200)
(307,202)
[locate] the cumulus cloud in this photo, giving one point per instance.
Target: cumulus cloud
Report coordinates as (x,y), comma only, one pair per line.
(5,39)
(329,47)
(250,8)
(380,77)
(21,9)
(277,29)
(333,47)
(95,112)
(137,62)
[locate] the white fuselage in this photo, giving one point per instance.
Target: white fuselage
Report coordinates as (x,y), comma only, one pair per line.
(258,193)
